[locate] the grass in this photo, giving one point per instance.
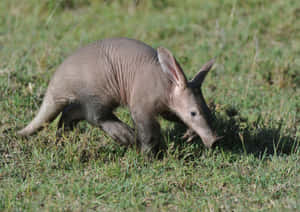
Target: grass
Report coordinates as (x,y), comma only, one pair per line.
(254,91)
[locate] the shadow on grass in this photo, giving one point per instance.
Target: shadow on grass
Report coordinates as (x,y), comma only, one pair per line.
(240,136)
(243,137)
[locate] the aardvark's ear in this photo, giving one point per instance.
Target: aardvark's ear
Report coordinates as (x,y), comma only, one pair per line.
(200,76)
(171,67)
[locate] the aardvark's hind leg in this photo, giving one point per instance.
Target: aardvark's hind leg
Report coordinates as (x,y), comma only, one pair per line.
(118,131)
(71,115)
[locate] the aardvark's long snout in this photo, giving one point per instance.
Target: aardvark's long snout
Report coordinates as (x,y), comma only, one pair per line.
(205,132)
(210,140)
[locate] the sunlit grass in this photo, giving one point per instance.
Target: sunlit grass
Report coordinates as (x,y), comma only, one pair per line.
(253,90)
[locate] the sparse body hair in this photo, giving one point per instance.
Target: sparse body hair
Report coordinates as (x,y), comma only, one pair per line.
(97,78)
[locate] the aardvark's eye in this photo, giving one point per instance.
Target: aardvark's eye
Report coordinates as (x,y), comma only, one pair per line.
(193,113)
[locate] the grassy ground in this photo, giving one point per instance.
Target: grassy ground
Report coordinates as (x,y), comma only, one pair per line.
(254,91)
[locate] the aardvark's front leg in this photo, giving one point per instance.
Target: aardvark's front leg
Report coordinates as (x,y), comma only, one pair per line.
(148,130)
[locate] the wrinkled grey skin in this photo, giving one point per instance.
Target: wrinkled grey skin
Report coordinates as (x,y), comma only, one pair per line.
(97,78)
